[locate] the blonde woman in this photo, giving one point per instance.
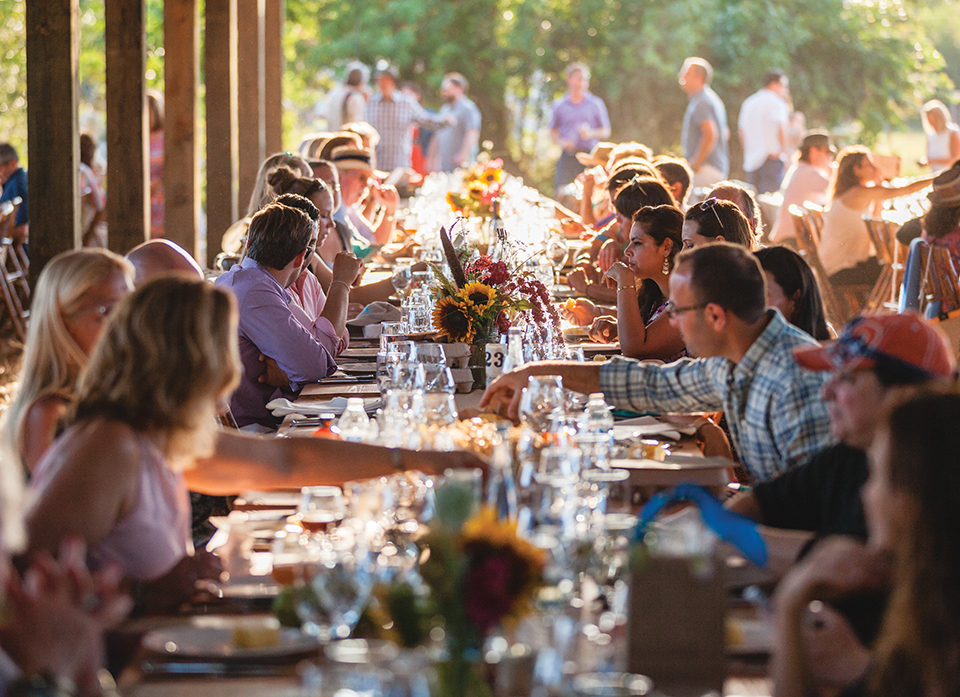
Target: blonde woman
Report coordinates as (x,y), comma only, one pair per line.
(943,136)
(75,292)
(143,431)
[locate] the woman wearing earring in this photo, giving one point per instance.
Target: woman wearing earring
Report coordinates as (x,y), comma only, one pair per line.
(642,288)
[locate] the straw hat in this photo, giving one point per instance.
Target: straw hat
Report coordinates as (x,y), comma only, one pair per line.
(324,149)
(350,157)
(946,188)
(597,156)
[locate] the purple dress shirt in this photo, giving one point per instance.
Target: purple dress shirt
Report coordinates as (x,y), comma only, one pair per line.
(268,326)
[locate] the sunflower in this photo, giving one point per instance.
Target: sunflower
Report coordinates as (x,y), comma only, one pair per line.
(452,319)
(478,295)
(492,176)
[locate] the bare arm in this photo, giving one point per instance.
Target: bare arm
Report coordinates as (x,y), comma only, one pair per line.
(345,269)
(244,462)
(470,140)
(503,394)
(40,428)
(862,196)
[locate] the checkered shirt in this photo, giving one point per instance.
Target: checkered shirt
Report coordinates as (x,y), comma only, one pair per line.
(394,122)
(774,410)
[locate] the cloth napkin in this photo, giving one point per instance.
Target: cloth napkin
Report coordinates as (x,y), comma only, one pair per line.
(282,407)
(650,426)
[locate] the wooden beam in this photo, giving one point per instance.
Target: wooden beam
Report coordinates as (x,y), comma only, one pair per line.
(273,70)
(128,144)
(223,152)
(53,143)
(181,152)
(250,71)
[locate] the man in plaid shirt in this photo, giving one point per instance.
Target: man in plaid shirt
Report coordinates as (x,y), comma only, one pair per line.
(393,114)
(776,416)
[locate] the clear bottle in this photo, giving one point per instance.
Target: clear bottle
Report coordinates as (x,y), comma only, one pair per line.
(596,430)
(501,485)
(354,424)
(498,234)
(514,358)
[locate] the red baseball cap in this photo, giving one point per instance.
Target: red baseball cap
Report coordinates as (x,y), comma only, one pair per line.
(902,340)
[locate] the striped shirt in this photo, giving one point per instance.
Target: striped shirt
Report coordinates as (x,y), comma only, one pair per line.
(776,415)
(394,120)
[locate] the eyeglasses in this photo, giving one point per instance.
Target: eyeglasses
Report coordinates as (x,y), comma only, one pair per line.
(710,204)
(672,310)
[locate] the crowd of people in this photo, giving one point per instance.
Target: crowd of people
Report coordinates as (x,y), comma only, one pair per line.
(846,442)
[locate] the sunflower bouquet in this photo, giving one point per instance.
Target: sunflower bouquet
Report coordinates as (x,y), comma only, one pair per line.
(482,183)
(484,297)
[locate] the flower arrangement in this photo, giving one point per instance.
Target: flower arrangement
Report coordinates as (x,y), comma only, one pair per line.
(482,183)
(485,296)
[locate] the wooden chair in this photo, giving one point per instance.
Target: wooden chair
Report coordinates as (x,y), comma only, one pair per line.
(807,229)
(939,280)
(884,295)
(13,275)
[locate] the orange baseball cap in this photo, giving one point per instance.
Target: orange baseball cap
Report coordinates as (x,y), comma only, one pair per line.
(904,341)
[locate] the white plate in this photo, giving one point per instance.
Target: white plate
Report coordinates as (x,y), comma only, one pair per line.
(212,637)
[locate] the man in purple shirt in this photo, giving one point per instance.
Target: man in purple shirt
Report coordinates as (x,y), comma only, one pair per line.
(280,242)
(579,121)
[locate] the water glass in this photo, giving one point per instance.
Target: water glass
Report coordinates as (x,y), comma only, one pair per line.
(343,583)
(435,378)
(321,508)
(542,395)
(434,408)
(391,332)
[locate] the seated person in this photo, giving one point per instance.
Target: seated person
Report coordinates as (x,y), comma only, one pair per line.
(806,180)
(715,220)
(845,247)
(143,430)
(642,327)
(368,205)
(678,176)
(744,365)
(157,257)
(745,201)
(941,224)
(280,243)
(628,199)
(792,288)
(73,296)
(910,498)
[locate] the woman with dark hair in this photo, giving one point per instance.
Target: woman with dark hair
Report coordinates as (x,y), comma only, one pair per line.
(855,191)
(716,220)
(642,288)
(911,500)
(634,194)
(792,289)
(941,224)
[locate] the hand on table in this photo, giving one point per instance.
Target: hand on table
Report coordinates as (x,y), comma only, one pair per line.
(179,585)
(577,279)
(503,395)
(604,329)
(273,374)
(58,613)
(582,313)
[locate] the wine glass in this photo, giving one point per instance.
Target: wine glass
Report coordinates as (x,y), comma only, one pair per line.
(343,582)
(557,252)
(542,395)
(321,508)
(435,378)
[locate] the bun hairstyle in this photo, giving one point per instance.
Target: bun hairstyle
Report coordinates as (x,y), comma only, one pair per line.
(284,180)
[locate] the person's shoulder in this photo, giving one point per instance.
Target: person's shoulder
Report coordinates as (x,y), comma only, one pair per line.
(112,444)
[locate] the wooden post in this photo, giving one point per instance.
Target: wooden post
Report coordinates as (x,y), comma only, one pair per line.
(223,152)
(181,155)
(250,71)
(53,145)
(128,144)
(273,70)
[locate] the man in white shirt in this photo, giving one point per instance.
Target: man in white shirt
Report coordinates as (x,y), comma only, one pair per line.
(763,121)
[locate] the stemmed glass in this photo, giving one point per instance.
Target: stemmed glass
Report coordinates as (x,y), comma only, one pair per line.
(542,395)
(557,252)
(321,508)
(343,583)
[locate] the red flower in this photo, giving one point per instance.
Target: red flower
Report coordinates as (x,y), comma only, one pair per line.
(491,584)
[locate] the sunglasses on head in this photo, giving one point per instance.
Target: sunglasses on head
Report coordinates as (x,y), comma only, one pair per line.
(710,204)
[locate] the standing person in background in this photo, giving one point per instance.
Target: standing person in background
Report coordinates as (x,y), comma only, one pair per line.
(579,121)
(763,122)
(943,136)
(346,102)
(14,180)
(155,120)
(422,136)
(704,135)
(455,145)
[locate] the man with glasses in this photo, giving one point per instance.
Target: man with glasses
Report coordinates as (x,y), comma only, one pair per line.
(280,243)
(745,365)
